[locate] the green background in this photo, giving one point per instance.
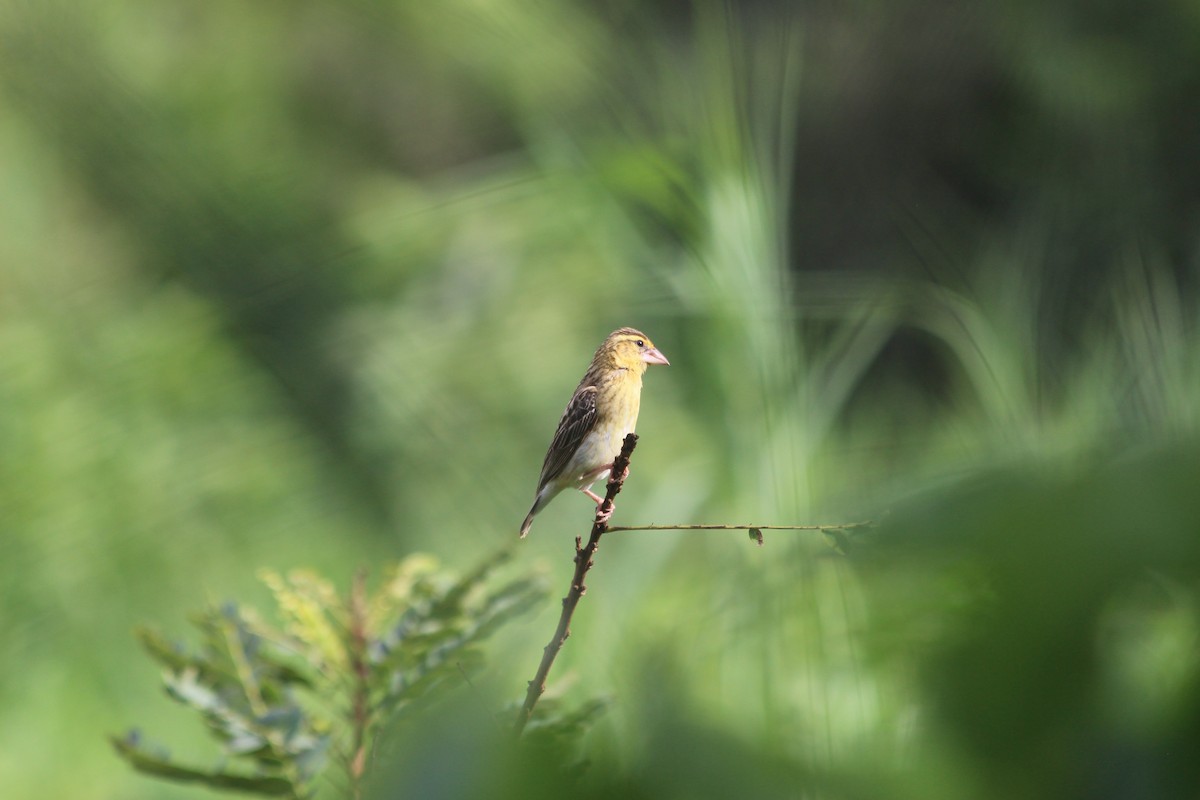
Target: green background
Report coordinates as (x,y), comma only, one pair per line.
(308,284)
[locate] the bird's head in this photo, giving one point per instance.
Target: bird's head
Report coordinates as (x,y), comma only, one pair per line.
(629,348)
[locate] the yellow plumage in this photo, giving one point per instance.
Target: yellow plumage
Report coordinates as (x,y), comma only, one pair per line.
(602,411)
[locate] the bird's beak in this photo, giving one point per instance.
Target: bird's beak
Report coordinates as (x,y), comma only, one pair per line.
(652,356)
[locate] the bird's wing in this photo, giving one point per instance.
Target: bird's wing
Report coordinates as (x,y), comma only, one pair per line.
(577,421)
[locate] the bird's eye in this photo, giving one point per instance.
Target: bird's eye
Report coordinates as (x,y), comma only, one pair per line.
(640,343)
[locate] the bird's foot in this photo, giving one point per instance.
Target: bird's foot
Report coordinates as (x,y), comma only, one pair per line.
(602,515)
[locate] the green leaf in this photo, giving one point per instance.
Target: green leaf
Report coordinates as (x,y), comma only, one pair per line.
(452,601)
(552,723)
(185,688)
(150,763)
(174,658)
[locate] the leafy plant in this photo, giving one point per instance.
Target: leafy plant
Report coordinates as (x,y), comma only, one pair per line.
(309,700)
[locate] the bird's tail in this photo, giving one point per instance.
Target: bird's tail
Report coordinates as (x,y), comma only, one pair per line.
(545,494)
(543,497)
(528,521)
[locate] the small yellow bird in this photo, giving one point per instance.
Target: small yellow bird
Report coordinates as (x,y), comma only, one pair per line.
(603,410)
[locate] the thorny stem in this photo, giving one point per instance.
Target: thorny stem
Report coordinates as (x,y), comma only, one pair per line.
(583,562)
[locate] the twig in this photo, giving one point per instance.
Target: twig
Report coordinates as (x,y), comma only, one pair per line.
(844,526)
(755,530)
(583,562)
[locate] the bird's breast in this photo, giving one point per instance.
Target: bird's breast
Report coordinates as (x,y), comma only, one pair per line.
(618,401)
(617,405)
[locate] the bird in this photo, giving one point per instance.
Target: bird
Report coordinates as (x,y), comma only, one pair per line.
(603,410)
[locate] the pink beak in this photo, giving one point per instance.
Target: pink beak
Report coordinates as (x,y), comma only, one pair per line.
(652,356)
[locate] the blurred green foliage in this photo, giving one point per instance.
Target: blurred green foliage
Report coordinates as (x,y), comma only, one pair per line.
(285,285)
(300,708)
